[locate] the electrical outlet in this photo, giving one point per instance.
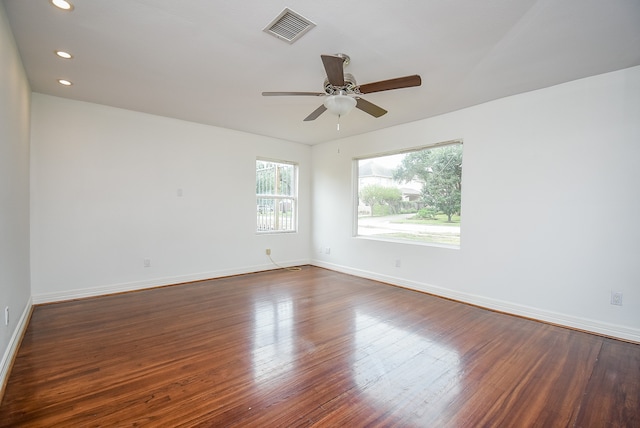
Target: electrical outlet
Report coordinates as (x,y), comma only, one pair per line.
(398,263)
(6,315)
(616,298)
(147,262)
(268,251)
(327,250)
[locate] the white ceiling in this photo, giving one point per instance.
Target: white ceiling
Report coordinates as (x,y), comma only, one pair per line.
(208,61)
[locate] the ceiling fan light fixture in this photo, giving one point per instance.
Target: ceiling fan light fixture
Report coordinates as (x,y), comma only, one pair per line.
(340,104)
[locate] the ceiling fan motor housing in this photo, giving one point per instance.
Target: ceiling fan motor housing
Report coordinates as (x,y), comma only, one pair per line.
(349,85)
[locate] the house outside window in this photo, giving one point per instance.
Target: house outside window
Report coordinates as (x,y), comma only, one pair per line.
(276,196)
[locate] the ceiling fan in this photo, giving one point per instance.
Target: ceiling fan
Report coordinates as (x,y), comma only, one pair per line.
(343,93)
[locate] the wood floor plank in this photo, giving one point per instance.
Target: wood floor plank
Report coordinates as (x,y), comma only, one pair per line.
(310,348)
(613,394)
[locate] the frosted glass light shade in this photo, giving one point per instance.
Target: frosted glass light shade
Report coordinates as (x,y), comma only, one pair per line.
(340,104)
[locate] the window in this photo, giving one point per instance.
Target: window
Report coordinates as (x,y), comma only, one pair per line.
(411,196)
(276,196)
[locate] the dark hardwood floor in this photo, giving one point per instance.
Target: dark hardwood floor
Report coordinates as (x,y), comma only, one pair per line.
(310,348)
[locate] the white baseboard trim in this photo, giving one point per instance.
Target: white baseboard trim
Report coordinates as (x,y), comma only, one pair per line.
(12,348)
(556,318)
(584,324)
(155,282)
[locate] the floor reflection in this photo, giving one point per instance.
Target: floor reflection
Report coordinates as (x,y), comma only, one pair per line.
(399,367)
(272,338)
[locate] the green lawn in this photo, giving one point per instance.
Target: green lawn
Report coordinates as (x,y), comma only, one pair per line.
(440,220)
(432,238)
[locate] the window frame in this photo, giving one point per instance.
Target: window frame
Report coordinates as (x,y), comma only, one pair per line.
(278,199)
(356,196)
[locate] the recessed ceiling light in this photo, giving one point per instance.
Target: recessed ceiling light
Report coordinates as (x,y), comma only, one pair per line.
(63,54)
(62,4)
(64,82)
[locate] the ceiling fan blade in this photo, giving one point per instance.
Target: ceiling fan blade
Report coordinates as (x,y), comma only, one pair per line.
(333,65)
(317,112)
(386,85)
(280,94)
(370,108)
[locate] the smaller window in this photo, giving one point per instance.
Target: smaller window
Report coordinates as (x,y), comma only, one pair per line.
(276,196)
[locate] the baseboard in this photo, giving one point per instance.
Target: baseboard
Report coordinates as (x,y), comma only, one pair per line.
(556,318)
(155,282)
(577,323)
(13,346)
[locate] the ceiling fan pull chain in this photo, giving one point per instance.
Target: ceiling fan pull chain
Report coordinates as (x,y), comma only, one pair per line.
(338,127)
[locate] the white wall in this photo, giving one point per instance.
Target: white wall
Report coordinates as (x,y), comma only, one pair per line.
(105,197)
(14,195)
(549,206)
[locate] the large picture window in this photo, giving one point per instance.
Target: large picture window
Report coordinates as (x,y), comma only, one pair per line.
(276,196)
(412,196)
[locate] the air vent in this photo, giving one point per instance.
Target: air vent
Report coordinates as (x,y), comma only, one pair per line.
(289,26)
